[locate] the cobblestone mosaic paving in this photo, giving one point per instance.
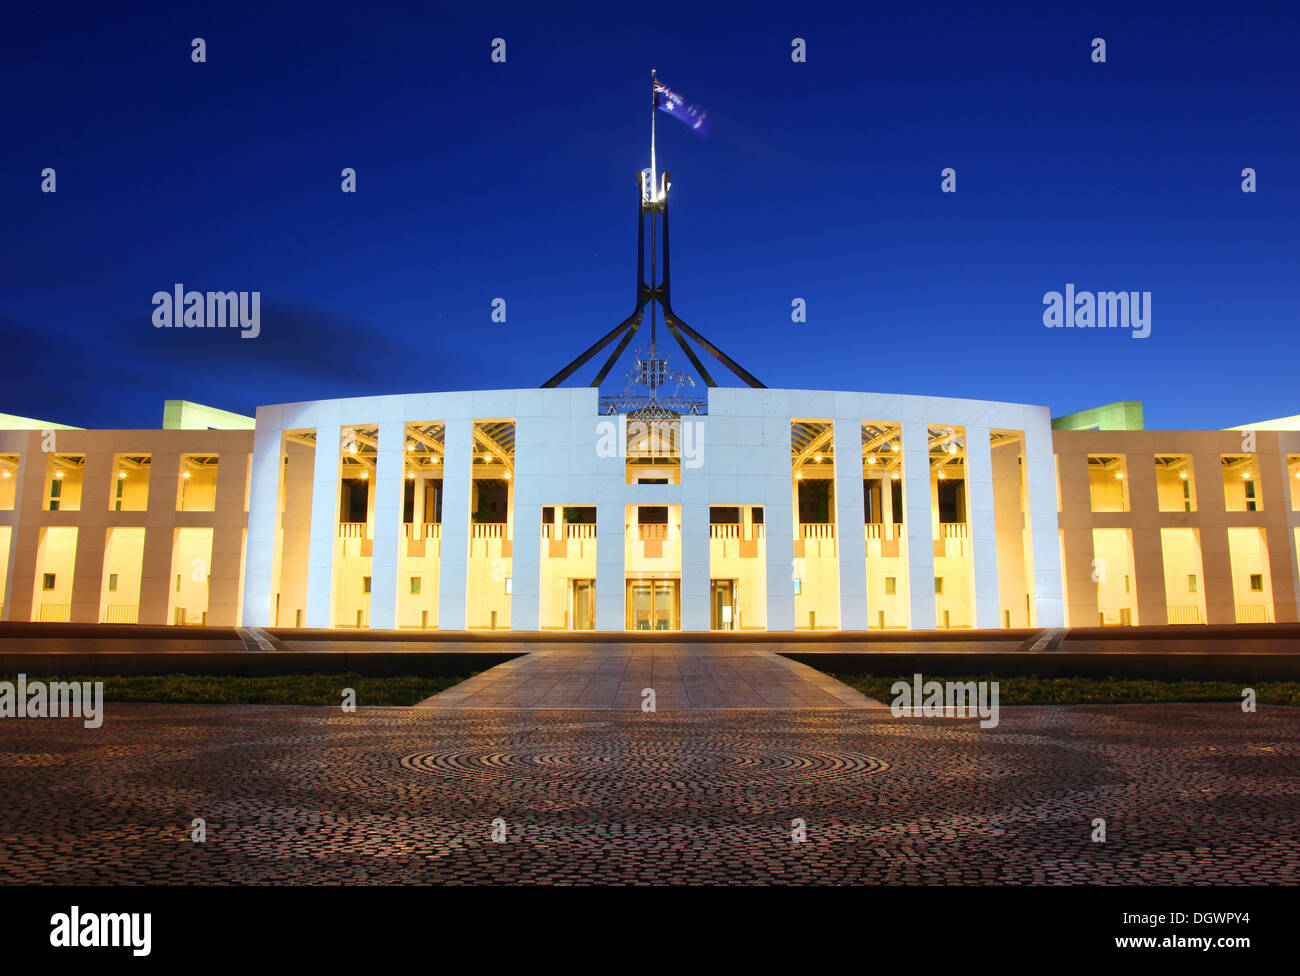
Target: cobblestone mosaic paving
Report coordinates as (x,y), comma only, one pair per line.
(1190,794)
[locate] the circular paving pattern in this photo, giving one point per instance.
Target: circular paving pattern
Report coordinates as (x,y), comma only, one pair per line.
(635,761)
(1191,794)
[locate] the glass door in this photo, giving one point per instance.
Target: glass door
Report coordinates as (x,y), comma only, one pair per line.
(584,604)
(653,605)
(723,604)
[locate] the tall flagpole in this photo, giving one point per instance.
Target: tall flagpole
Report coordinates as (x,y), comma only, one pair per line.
(654,178)
(654,197)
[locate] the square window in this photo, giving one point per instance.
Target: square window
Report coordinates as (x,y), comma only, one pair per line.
(415,585)
(1257,582)
(365,584)
(1191,582)
(47,581)
(112,582)
(891,585)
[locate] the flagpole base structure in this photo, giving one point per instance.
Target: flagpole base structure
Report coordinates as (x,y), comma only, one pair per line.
(653,203)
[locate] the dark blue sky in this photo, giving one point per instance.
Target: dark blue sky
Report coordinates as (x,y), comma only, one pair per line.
(479,180)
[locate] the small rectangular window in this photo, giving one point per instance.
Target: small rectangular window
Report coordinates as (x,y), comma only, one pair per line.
(891,585)
(112,582)
(178,582)
(365,584)
(1191,582)
(47,581)
(1256,583)
(938,586)
(798,586)
(415,585)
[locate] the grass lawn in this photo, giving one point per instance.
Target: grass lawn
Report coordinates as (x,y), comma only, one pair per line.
(291,689)
(1036,690)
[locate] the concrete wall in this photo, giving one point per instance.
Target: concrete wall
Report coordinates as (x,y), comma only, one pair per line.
(94,517)
(1277,487)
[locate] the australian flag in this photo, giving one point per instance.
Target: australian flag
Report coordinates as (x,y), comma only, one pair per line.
(669,101)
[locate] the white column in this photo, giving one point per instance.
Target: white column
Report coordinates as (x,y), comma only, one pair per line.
(983,529)
(263,514)
(526,548)
(458,458)
(389,489)
(778,519)
(850,535)
(324,527)
(1040,478)
(611,546)
(918,524)
(695,566)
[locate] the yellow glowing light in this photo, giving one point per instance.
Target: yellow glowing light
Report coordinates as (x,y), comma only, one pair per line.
(942,476)
(1246,475)
(365,475)
(799,475)
(121,474)
(893,446)
(507,476)
(185,475)
(410,475)
(410,447)
(58,474)
(1183,476)
(817,458)
(894,478)
(872,460)
(1119,475)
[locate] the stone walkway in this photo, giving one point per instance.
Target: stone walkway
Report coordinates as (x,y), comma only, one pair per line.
(681,675)
(1190,794)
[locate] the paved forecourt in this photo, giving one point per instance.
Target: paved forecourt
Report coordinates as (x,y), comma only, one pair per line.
(1190,794)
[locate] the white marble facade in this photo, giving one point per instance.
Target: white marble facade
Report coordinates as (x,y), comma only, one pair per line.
(744,460)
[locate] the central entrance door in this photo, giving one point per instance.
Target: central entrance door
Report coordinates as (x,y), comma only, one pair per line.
(584,604)
(653,604)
